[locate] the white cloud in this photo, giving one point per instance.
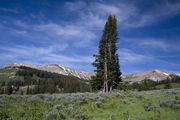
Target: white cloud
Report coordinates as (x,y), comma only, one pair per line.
(40,55)
(22,50)
(152,43)
(95,14)
(43,53)
(79,35)
(20,32)
(128,56)
(15,11)
(155,44)
(84,30)
(74,7)
(122,11)
(69,31)
(157,13)
(92,21)
(21,24)
(105,8)
(68,59)
(128,14)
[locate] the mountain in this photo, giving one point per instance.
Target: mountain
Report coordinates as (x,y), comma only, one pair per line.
(30,79)
(155,75)
(54,68)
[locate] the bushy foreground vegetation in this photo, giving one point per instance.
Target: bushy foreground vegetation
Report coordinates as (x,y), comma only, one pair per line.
(25,80)
(117,105)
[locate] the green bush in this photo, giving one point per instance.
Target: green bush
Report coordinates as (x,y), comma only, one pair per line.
(123,86)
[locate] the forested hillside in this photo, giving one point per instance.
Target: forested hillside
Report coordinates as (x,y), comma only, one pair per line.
(25,80)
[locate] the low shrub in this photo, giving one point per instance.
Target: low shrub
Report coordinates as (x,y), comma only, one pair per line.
(171,104)
(150,107)
(61,112)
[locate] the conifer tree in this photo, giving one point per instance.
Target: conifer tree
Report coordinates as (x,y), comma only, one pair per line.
(107,61)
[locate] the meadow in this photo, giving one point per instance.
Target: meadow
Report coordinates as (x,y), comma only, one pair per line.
(117,105)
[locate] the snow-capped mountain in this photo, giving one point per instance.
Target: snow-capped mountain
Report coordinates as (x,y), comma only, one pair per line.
(155,75)
(54,68)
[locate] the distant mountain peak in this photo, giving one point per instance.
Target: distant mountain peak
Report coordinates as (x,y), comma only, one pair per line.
(53,65)
(156,70)
(155,75)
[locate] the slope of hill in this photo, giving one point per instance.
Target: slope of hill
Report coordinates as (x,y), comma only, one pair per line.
(29,80)
(54,68)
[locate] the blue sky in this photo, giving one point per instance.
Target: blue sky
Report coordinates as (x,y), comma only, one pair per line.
(67,32)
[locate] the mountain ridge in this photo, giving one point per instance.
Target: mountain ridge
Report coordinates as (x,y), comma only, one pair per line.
(155,75)
(55,68)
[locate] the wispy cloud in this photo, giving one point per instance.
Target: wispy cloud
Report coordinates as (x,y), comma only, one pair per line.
(70,32)
(33,50)
(156,14)
(42,37)
(79,5)
(94,14)
(133,62)
(39,55)
(128,56)
(9,10)
(128,14)
(153,43)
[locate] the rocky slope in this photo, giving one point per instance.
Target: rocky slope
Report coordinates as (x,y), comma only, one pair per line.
(155,75)
(54,68)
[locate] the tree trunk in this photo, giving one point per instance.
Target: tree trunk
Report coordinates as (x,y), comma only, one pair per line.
(110,89)
(105,87)
(107,90)
(105,74)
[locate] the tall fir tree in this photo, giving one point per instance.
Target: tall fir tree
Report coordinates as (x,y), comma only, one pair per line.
(107,61)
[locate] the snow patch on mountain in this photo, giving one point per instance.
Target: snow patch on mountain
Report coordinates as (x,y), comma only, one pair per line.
(165,73)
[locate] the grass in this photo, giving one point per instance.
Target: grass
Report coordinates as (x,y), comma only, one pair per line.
(130,105)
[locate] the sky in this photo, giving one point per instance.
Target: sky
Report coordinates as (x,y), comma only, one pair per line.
(67,32)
